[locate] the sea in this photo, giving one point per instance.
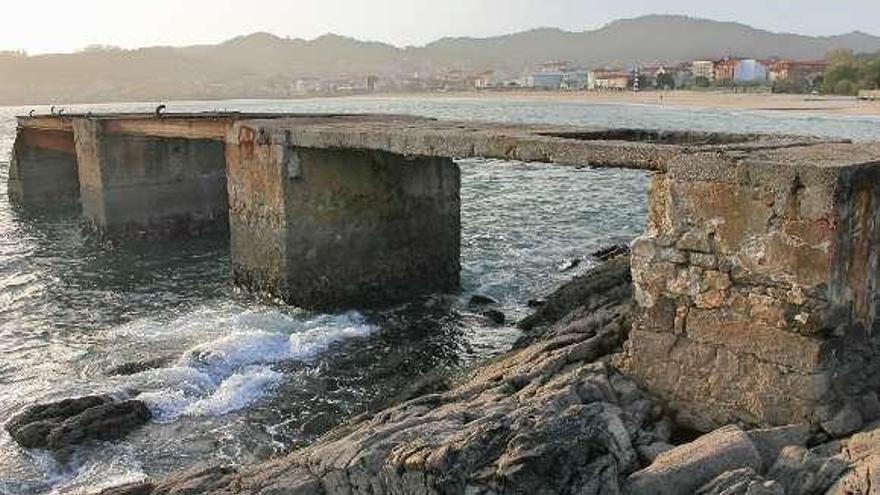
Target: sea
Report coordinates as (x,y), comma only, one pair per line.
(244,378)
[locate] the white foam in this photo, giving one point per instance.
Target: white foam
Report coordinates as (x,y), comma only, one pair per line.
(237,392)
(229,373)
(308,344)
(220,357)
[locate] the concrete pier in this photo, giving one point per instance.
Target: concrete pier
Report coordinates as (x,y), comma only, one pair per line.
(756,281)
(149,186)
(43,172)
(341,227)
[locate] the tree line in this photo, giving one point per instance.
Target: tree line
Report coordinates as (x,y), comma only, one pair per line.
(848,73)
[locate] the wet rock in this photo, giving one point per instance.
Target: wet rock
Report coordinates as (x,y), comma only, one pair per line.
(535,303)
(604,285)
(495,316)
(550,416)
(58,426)
(134,367)
(610,252)
(687,467)
(481,300)
(569,265)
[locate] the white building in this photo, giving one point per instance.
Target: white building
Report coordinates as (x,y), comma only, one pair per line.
(703,68)
(749,71)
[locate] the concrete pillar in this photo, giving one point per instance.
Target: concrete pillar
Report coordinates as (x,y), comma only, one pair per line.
(43,170)
(135,186)
(337,228)
(757,291)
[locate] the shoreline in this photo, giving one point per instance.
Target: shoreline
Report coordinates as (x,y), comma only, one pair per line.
(673,100)
(677,99)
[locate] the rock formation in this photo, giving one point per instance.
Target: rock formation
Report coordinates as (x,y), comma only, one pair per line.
(59,426)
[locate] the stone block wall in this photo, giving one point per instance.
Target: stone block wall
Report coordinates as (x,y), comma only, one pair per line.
(329,228)
(756,285)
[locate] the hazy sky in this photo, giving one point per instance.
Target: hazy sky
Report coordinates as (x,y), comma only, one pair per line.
(40,26)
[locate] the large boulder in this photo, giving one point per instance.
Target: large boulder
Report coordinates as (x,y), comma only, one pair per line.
(862,451)
(60,425)
(688,467)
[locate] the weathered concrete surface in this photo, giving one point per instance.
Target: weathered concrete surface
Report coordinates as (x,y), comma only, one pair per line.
(43,171)
(324,228)
(756,281)
(564,145)
(139,186)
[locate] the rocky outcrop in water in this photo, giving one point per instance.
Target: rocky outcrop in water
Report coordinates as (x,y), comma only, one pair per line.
(61,425)
(552,416)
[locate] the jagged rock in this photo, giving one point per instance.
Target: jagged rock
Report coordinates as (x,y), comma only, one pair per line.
(610,252)
(771,441)
(845,422)
(481,300)
(131,368)
(60,425)
(649,453)
(495,316)
(743,481)
(690,466)
(549,417)
(569,265)
(862,451)
(599,287)
(804,472)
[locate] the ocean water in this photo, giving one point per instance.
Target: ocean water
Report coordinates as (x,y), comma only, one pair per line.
(244,378)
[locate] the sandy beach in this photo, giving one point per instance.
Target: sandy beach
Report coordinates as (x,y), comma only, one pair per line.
(694,99)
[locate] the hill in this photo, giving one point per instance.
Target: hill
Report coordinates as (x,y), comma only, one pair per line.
(265,65)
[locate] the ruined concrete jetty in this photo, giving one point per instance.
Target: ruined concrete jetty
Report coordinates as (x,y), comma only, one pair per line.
(756,278)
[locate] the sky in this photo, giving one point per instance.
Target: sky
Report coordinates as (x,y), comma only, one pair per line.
(43,26)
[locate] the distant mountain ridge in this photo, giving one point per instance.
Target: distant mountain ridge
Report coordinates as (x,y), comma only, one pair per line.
(264,65)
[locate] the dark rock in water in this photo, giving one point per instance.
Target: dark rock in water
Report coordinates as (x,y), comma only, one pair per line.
(60,425)
(536,303)
(495,316)
(569,265)
(610,252)
(134,367)
(481,300)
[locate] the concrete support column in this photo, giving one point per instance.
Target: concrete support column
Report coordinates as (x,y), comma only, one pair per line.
(43,171)
(757,288)
(135,186)
(337,228)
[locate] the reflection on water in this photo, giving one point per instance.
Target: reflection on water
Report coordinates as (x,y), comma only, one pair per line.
(241,378)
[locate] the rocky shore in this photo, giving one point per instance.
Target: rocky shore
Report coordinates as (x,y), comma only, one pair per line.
(552,416)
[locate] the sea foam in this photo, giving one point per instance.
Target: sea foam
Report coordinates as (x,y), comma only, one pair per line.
(231,372)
